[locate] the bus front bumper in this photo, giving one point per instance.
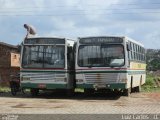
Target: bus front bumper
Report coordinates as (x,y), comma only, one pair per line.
(104,86)
(43,86)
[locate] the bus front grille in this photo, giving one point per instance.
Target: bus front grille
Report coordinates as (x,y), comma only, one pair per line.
(102,78)
(44,76)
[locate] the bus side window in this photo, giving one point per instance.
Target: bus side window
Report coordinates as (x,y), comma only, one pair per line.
(129,53)
(128,47)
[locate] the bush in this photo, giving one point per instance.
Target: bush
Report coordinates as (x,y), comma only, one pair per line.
(4,89)
(149,85)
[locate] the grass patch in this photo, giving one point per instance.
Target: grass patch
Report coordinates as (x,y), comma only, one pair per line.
(4,89)
(150,86)
(79,90)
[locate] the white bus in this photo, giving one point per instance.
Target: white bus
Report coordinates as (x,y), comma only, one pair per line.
(109,62)
(47,64)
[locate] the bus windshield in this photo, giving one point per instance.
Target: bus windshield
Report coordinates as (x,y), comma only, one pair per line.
(104,55)
(43,56)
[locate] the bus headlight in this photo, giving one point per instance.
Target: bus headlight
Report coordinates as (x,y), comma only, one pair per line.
(79,80)
(25,78)
(61,80)
(124,80)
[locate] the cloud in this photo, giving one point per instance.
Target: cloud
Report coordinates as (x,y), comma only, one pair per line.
(152,39)
(77,18)
(63,24)
(94,9)
(69,29)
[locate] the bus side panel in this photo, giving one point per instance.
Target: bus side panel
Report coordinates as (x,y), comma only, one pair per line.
(136,74)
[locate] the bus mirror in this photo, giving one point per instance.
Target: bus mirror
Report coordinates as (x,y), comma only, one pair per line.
(19,48)
(128,47)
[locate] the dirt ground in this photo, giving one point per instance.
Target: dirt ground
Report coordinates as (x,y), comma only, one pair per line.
(51,103)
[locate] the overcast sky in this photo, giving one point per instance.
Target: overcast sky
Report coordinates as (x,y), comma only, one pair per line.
(138,19)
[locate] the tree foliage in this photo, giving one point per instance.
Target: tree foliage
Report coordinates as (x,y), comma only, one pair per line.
(153,59)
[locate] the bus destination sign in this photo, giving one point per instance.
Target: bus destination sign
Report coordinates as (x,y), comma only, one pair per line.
(44,41)
(96,40)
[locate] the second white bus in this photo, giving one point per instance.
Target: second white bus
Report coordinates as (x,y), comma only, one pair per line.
(109,62)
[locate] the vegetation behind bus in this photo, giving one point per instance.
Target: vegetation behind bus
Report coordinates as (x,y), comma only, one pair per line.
(150,85)
(153,59)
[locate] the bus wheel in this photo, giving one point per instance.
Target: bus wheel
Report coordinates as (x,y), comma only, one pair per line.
(88,91)
(34,92)
(127,92)
(70,92)
(138,88)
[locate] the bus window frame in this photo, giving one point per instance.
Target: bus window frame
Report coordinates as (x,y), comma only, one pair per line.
(124,51)
(43,63)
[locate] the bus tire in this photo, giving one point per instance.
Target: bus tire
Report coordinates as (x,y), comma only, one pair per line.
(88,91)
(70,92)
(138,88)
(127,92)
(34,92)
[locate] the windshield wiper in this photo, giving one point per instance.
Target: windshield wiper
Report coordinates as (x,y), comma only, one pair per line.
(90,65)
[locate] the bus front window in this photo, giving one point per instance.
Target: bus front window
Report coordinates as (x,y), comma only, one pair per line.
(111,55)
(43,57)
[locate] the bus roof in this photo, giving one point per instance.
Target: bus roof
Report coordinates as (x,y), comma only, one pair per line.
(101,36)
(125,37)
(69,42)
(134,41)
(51,37)
(46,37)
